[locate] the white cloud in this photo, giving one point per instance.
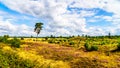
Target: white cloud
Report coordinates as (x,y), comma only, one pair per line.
(97,31)
(107,18)
(7,27)
(63,21)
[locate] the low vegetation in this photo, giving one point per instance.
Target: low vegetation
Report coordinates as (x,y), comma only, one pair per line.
(12,42)
(60,52)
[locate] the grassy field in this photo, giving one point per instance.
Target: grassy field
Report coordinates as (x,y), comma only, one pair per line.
(61,52)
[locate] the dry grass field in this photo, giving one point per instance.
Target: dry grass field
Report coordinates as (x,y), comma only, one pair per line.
(60,53)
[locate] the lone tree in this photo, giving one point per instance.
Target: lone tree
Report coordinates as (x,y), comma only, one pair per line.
(38,28)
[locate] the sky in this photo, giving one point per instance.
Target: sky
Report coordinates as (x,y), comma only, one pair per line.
(60,17)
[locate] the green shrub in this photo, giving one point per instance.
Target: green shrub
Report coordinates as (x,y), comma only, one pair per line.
(46,38)
(60,40)
(22,38)
(57,42)
(15,42)
(51,41)
(71,43)
(0,39)
(94,48)
(33,39)
(118,46)
(87,46)
(103,43)
(4,39)
(90,48)
(65,40)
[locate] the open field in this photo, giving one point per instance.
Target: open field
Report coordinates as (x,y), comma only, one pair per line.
(59,34)
(62,52)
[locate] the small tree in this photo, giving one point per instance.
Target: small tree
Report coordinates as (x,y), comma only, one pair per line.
(38,28)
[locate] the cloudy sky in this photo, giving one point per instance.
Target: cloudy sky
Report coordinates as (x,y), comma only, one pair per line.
(60,17)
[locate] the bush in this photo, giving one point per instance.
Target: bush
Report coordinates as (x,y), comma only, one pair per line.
(65,40)
(90,48)
(87,47)
(33,39)
(94,48)
(71,43)
(1,39)
(22,38)
(46,38)
(103,43)
(118,46)
(4,39)
(57,42)
(51,41)
(15,42)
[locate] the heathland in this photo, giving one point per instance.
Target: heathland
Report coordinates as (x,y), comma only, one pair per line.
(60,52)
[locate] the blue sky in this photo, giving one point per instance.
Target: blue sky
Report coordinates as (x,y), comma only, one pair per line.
(60,17)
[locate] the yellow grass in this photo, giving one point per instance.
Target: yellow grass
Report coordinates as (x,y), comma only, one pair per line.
(39,60)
